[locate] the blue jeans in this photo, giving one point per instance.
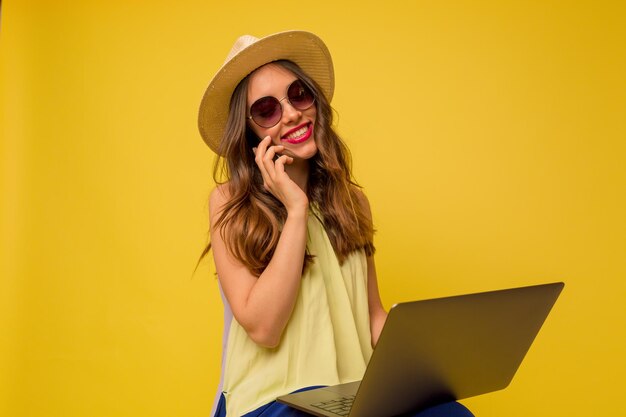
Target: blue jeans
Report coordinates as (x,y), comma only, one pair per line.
(274,409)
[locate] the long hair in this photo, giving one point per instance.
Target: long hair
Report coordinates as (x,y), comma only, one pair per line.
(251,221)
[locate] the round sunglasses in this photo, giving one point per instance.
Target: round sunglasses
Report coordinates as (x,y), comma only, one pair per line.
(267,111)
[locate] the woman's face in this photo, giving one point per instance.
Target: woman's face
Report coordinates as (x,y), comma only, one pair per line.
(294,130)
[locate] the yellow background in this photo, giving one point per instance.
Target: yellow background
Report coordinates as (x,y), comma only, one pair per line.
(489,136)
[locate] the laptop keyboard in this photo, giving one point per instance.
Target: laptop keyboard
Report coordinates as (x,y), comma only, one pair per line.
(340,406)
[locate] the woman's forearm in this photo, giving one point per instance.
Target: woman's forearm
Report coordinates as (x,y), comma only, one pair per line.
(271,299)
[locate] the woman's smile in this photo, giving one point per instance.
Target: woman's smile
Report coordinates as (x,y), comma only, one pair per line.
(298,134)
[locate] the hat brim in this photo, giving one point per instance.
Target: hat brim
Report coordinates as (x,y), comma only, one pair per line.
(303,48)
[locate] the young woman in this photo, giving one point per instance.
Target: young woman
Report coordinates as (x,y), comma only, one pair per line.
(291,232)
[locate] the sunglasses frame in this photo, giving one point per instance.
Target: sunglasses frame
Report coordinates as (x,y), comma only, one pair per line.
(280,103)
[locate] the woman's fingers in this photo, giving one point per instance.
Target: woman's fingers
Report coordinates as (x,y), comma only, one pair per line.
(259,151)
(265,158)
(268,158)
(259,154)
(281,162)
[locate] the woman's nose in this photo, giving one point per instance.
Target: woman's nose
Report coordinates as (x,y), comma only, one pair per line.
(290,113)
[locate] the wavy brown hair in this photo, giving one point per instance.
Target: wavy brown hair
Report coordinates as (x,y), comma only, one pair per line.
(251,221)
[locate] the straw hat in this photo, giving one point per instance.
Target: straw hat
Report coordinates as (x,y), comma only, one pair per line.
(249,53)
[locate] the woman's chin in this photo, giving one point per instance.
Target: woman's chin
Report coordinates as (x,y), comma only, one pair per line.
(302,152)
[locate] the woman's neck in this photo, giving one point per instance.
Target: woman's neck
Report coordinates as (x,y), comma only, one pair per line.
(298,171)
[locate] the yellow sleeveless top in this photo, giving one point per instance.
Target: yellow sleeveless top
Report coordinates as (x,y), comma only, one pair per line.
(327,340)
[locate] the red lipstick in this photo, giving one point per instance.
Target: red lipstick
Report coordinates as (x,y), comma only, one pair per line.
(304,132)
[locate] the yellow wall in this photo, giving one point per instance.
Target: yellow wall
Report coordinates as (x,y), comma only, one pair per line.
(490,138)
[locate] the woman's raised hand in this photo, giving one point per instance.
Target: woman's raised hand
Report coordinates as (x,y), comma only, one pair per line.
(275,179)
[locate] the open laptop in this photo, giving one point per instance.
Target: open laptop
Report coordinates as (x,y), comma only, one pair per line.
(439,350)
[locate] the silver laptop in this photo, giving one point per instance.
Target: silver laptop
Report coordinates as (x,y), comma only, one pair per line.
(439,350)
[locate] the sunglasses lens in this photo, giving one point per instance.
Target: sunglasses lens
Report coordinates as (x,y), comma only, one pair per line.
(266,111)
(300,96)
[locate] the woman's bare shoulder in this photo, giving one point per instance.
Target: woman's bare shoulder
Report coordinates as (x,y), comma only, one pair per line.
(220,192)
(219,196)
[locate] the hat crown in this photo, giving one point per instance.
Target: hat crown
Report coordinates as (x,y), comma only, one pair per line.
(241,43)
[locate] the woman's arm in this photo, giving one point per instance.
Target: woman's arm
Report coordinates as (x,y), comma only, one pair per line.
(378,315)
(262,305)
